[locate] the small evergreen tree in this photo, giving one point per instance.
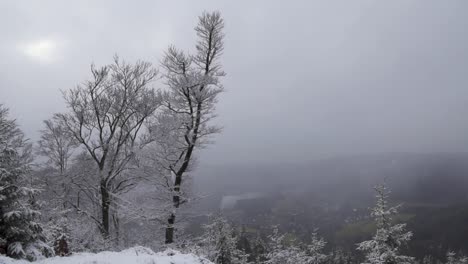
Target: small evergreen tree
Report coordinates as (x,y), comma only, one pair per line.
(243,243)
(385,246)
(314,250)
(428,260)
(338,256)
(220,243)
(22,236)
(278,252)
(452,258)
(58,233)
(282,252)
(259,250)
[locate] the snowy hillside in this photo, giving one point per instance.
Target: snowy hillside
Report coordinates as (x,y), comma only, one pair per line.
(136,255)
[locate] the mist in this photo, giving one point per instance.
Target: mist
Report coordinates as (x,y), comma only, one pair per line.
(306,80)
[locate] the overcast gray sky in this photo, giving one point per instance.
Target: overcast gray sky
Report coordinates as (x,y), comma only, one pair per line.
(306,79)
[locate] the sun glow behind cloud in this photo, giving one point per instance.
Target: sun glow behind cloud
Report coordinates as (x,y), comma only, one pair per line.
(42,50)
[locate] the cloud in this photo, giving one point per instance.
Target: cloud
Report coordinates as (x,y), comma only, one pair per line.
(43,50)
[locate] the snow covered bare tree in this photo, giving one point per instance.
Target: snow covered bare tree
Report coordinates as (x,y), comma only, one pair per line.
(193,87)
(21,235)
(106,116)
(56,144)
(385,246)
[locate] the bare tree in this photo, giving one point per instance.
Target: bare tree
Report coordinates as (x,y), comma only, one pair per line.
(56,144)
(184,124)
(106,116)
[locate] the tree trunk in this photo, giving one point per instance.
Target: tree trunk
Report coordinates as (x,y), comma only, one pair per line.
(176,204)
(170,229)
(115,218)
(105,207)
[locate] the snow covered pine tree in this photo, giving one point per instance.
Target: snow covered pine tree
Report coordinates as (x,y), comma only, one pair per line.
(220,244)
(259,250)
(20,235)
(282,252)
(384,248)
(314,250)
(452,258)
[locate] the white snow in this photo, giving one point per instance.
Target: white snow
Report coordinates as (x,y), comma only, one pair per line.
(136,255)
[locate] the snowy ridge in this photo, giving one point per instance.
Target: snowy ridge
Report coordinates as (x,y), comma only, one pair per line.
(135,255)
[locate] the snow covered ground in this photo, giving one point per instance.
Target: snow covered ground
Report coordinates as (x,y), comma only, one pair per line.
(136,255)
